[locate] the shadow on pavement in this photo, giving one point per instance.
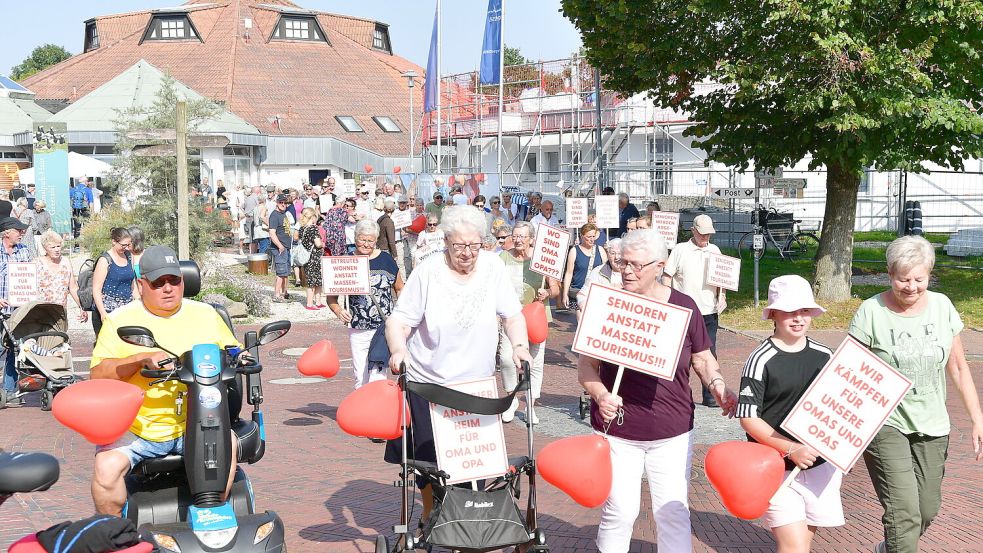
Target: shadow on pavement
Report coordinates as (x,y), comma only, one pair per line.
(720,531)
(314,414)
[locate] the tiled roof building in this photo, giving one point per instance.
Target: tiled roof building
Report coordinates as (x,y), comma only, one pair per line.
(292,74)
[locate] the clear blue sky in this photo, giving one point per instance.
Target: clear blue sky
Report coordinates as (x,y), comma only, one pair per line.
(536,27)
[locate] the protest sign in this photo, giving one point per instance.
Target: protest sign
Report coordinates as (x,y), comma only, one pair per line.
(345,188)
(667,225)
(22,279)
(429,246)
(631,330)
(346,275)
(846,404)
(576,212)
(549,252)
(324,200)
(723,271)
(402,219)
(606,210)
(469,446)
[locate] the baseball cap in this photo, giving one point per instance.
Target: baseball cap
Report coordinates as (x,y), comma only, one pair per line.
(703,224)
(402,198)
(158,261)
(270,188)
(790,293)
(8,223)
(282,198)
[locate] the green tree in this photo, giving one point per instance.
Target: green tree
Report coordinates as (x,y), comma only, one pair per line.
(846,84)
(40,59)
(513,56)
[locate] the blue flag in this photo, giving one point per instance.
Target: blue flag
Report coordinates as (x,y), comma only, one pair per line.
(491,48)
(430,84)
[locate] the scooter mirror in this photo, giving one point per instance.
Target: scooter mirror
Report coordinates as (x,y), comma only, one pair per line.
(273,331)
(137,336)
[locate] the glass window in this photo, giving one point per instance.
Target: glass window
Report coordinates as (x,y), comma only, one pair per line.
(380,38)
(386,123)
(91,36)
(170,27)
(298,28)
(660,177)
(349,123)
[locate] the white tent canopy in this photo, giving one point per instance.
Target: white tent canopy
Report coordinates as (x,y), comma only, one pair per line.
(78,166)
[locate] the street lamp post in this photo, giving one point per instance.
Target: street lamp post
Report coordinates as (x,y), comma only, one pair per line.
(410,76)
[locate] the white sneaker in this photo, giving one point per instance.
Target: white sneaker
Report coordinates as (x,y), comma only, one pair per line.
(535,418)
(509,414)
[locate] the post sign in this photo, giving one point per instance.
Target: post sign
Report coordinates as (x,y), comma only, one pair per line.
(723,271)
(402,219)
(469,446)
(346,275)
(667,225)
(846,404)
(631,330)
(606,210)
(549,251)
(22,278)
(734,193)
(576,212)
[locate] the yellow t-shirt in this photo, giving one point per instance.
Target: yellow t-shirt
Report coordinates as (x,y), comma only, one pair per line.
(195,323)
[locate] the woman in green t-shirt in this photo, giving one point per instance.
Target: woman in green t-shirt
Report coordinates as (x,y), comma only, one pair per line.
(917,332)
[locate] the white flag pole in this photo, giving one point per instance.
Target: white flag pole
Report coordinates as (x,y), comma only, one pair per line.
(440,148)
(501,81)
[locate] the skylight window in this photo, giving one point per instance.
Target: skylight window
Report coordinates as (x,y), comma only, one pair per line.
(298,27)
(386,123)
(171,27)
(349,123)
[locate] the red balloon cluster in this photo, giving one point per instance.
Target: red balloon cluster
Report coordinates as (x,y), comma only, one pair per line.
(580,466)
(536,325)
(101,410)
(746,475)
(418,224)
(321,359)
(373,411)
(368,168)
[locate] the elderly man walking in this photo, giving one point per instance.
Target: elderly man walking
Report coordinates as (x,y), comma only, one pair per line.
(687,269)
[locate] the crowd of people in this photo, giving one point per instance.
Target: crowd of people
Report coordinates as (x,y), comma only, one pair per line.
(455,289)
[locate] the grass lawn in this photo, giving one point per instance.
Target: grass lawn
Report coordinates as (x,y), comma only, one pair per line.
(888,235)
(963,286)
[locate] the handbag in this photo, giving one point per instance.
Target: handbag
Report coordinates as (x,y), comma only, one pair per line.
(379,348)
(299,255)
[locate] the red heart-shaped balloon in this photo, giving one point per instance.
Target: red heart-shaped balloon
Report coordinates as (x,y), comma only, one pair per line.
(101,410)
(373,411)
(321,359)
(536,326)
(746,475)
(580,466)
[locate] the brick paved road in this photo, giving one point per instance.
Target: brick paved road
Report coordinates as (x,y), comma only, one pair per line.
(335,493)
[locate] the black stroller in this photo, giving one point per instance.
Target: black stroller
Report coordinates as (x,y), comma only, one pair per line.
(454,522)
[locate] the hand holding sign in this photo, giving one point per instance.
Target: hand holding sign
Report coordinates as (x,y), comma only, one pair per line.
(346,275)
(550,251)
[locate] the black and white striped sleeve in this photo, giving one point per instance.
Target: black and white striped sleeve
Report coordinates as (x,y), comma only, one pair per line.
(752,394)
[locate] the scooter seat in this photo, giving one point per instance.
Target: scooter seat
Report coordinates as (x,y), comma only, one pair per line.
(159,465)
(27,472)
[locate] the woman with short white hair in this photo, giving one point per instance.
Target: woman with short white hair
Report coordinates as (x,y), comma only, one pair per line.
(918,332)
(653,433)
(445,326)
(56,278)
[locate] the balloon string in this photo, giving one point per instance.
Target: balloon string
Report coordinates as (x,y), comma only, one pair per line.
(788,480)
(614,391)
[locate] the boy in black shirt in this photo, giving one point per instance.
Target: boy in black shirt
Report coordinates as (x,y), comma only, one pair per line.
(776,375)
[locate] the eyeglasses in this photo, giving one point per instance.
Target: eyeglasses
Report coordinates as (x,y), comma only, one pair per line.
(365,241)
(438,198)
(431,224)
(519,237)
(164,280)
(459,248)
(635,267)
(495,202)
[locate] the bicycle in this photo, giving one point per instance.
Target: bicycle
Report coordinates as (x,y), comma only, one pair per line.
(782,232)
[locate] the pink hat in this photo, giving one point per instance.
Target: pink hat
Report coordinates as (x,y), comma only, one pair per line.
(790,293)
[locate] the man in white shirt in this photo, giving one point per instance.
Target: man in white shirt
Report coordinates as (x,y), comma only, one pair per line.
(545,215)
(364,203)
(687,269)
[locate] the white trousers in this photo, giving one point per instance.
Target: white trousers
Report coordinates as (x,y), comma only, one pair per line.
(666,464)
(401,258)
(510,377)
(360,340)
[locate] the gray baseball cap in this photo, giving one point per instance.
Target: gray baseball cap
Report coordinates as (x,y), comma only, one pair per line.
(158,261)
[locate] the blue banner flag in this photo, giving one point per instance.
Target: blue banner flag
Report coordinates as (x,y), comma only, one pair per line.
(491,48)
(430,83)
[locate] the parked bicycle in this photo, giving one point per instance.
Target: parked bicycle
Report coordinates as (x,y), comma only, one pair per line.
(782,232)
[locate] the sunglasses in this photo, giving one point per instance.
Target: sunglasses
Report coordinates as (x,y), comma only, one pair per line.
(431,224)
(479,205)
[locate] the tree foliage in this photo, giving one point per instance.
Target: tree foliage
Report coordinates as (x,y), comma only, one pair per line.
(40,59)
(513,56)
(846,84)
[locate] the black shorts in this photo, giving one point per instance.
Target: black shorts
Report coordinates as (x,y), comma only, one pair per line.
(420,432)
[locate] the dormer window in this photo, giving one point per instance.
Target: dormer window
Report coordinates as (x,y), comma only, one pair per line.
(298,27)
(380,38)
(91,36)
(170,27)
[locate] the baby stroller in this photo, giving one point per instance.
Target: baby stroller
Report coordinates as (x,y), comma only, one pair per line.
(36,334)
(454,522)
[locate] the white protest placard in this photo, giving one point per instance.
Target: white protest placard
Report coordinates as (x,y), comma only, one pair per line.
(667,225)
(324,200)
(428,246)
(549,251)
(346,275)
(22,279)
(723,271)
(576,212)
(606,212)
(345,188)
(846,404)
(402,219)
(631,330)
(469,446)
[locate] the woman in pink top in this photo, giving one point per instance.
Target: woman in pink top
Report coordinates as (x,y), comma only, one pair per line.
(56,279)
